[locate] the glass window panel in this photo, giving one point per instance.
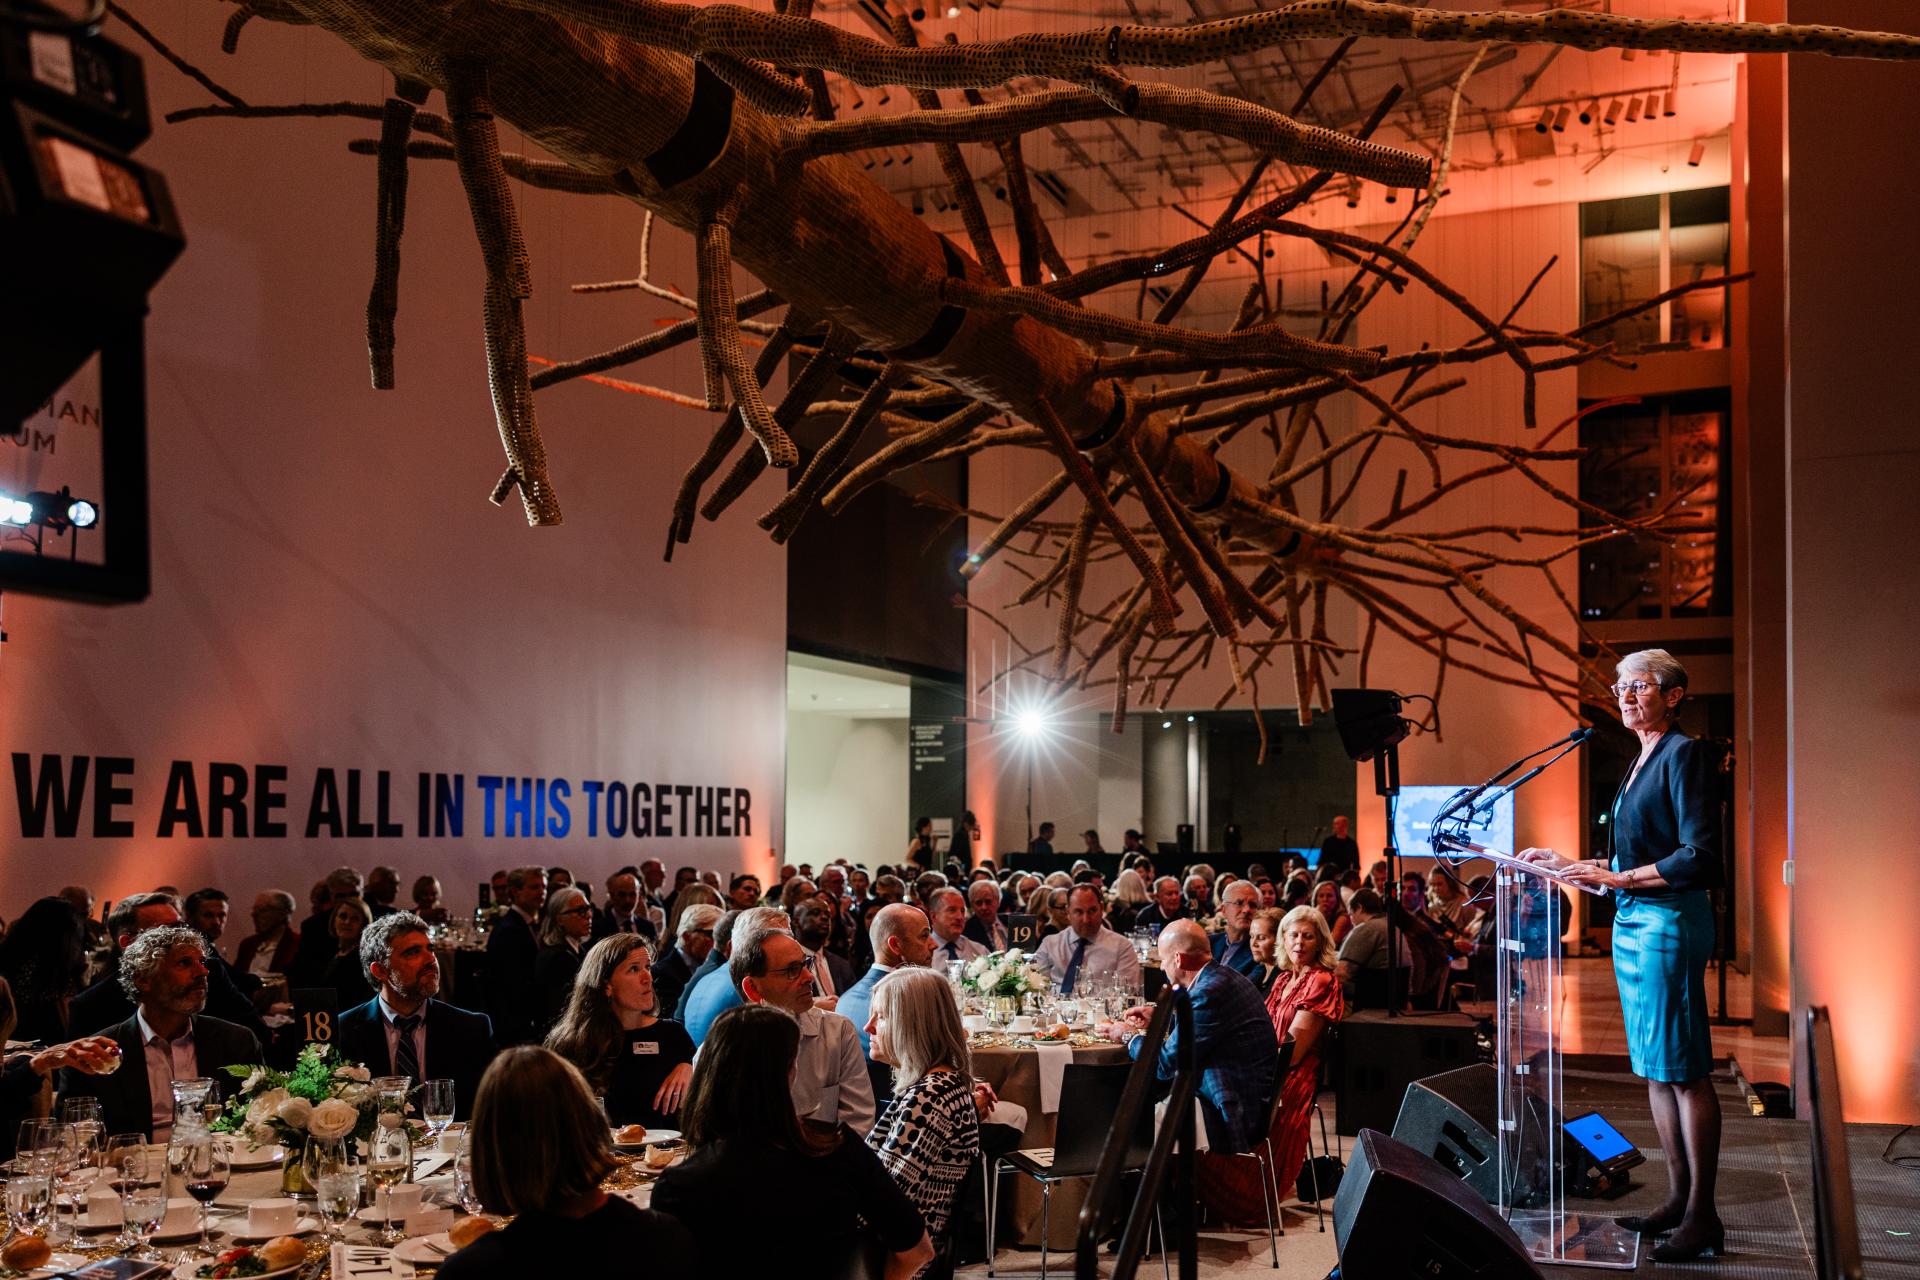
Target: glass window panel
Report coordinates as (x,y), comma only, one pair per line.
(1621,471)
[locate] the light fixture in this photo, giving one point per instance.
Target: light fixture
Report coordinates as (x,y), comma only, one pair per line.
(1560,119)
(1698,153)
(1189,719)
(1545,121)
(1032,722)
(1166,724)
(1614,109)
(953,11)
(1633,111)
(1588,112)
(16,511)
(82,514)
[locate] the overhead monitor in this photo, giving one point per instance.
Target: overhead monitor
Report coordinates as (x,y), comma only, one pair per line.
(1413,820)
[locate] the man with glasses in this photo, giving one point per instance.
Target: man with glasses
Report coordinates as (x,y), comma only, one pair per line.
(676,966)
(830,1084)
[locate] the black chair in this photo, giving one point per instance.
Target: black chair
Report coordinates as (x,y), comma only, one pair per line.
(1262,1152)
(1089,1099)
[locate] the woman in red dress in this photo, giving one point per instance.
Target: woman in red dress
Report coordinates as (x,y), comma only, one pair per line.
(1304,1002)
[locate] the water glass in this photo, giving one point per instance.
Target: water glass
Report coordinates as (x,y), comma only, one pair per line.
(338,1193)
(463,1185)
(144,1205)
(29,1199)
(436,1105)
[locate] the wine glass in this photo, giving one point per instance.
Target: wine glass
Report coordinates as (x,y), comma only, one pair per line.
(81,1110)
(203,1167)
(464,1188)
(436,1105)
(389,1162)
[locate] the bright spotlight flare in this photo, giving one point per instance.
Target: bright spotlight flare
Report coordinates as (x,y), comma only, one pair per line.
(57,511)
(1033,721)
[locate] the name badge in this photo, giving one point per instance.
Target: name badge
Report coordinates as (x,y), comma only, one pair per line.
(647,1046)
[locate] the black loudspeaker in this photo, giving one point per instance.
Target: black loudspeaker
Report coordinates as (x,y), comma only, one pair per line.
(1381,1056)
(1184,834)
(1399,1215)
(1369,721)
(1450,1117)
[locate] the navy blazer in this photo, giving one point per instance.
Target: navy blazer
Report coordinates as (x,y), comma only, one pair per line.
(459,1046)
(126,1100)
(670,974)
(1671,817)
(1234,1049)
(1243,963)
(511,950)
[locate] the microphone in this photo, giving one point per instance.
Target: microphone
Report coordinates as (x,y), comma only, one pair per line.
(1580,734)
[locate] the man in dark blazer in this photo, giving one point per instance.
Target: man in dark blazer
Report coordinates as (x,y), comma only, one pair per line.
(674,970)
(167,1037)
(106,1002)
(1233,1043)
(624,912)
(512,947)
(404,1030)
(1166,907)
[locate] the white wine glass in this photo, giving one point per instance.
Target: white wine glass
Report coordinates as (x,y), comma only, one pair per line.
(389,1162)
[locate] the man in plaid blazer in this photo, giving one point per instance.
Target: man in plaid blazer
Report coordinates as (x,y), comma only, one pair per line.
(1233,1046)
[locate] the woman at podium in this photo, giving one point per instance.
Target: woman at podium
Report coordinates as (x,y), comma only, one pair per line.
(1664,856)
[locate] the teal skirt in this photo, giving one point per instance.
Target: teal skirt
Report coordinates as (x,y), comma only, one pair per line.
(1660,951)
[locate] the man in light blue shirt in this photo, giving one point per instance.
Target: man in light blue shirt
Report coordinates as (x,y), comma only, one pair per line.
(715,993)
(901,937)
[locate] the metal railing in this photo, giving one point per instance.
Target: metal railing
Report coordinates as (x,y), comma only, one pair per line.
(1173,1149)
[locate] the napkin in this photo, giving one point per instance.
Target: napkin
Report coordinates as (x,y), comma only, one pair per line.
(1199,1122)
(1053,1060)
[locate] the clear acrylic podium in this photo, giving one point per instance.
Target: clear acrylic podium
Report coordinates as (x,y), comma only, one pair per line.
(1530,1093)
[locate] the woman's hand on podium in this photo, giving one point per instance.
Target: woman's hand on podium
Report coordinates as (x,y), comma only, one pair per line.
(1552,859)
(1597,873)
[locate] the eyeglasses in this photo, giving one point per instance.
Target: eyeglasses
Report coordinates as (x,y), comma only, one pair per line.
(1633,688)
(705,933)
(578,911)
(792,972)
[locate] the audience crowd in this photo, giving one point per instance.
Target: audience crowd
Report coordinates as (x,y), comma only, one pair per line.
(802,1034)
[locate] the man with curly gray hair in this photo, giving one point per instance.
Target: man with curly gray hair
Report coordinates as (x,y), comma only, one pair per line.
(164,972)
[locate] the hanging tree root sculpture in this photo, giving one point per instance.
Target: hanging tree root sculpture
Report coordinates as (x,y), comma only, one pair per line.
(719,120)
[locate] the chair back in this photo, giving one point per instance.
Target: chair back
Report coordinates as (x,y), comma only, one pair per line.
(1282,1067)
(1089,1101)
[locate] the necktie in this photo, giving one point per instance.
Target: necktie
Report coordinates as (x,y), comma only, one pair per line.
(953,950)
(406,1059)
(1073,966)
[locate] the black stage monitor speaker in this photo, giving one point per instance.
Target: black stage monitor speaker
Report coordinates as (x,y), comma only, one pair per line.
(1400,1215)
(1451,1117)
(1381,1056)
(1369,721)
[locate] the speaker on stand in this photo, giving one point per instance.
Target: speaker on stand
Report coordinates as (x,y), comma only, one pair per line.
(1399,1214)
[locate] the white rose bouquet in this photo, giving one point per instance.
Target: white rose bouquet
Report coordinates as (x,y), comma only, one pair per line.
(324,1097)
(1003,973)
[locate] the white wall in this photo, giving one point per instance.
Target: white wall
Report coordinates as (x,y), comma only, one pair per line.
(331,587)
(846,788)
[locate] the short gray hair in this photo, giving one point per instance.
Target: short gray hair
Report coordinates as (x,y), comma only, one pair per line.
(755,921)
(1658,663)
(377,939)
(146,953)
(923,1025)
(934,898)
(700,916)
(992,890)
(281,899)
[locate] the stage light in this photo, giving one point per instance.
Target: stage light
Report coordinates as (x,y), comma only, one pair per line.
(1189,719)
(1166,724)
(15,511)
(1032,722)
(1698,154)
(82,514)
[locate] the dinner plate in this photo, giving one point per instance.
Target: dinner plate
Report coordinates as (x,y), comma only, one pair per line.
(304,1227)
(432,1249)
(653,1136)
(56,1265)
(190,1270)
(245,1159)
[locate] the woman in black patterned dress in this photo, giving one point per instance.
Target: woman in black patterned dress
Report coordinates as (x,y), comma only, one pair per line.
(930,1132)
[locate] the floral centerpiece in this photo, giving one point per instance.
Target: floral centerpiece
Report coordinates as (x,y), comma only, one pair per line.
(325,1098)
(1004,976)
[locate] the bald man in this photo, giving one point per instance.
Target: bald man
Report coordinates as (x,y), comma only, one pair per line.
(1233,1038)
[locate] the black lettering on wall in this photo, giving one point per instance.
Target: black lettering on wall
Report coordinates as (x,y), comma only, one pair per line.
(108,795)
(180,806)
(50,792)
(227,799)
(742,802)
(642,810)
(323,812)
(269,797)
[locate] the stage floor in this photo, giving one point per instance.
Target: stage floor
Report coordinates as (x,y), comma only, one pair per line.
(1765,1197)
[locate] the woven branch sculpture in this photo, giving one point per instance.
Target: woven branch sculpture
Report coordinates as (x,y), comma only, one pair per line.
(718,120)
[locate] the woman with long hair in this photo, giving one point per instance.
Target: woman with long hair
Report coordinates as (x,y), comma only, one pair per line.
(640,1062)
(930,1131)
(1326,899)
(817,1198)
(540,1150)
(1129,895)
(44,960)
(566,922)
(351,916)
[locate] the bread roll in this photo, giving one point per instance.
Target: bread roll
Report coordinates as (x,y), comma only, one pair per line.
(25,1253)
(633,1133)
(467,1230)
(283,1251)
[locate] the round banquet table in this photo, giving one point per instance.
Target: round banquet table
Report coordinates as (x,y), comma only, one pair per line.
(1014,1074)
